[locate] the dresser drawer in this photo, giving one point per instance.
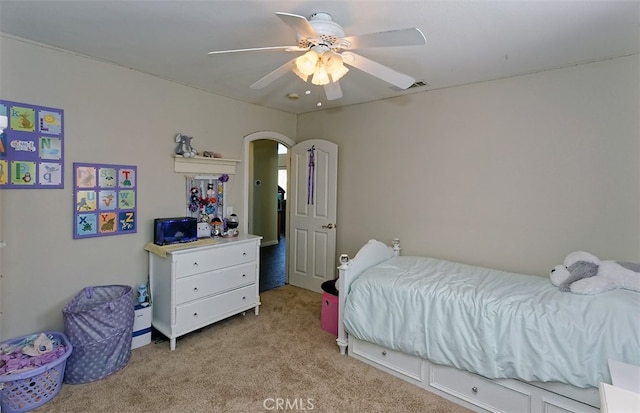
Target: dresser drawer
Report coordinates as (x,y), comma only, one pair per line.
(199,313)
(407,365)
(478,390)
(201,285)
(214,258)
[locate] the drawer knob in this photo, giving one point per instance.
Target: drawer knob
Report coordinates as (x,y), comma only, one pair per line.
(384,352)
(243,297)
(474,389)
(195,264)
(195,289)
(244,254)
(244,275)
(195,314)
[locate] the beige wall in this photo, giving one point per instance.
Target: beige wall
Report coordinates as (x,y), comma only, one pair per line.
(513,174)
(112,115)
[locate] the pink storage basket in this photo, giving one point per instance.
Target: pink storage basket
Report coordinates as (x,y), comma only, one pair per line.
(21,392)
(329,314)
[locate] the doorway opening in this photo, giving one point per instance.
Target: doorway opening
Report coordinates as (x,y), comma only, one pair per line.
(266,187)
(273,261)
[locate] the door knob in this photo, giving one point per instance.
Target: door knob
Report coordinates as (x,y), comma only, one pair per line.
(328,226)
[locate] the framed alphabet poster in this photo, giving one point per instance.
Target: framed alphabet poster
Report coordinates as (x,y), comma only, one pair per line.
(104,199)
(31,146)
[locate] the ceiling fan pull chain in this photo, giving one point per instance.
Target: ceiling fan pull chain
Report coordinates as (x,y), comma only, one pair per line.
(311,178)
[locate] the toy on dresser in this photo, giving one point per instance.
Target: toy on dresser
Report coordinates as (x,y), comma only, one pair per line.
(232,224)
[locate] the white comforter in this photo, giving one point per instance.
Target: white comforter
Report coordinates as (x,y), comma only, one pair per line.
(494,323)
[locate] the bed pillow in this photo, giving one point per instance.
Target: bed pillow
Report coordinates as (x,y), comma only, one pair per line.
(372,253)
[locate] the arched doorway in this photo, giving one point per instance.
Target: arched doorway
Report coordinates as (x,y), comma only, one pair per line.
(274,251)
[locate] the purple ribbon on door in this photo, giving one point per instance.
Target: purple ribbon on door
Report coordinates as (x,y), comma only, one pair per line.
(312,176)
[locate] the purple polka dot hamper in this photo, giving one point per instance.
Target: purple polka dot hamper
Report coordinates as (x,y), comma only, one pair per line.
(32,370)
(99,323)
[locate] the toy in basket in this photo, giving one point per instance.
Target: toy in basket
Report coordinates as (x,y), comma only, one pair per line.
(31,370)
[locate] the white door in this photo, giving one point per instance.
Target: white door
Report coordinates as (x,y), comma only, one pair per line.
(312,204)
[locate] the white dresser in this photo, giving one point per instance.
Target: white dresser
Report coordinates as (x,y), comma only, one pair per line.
(193,287)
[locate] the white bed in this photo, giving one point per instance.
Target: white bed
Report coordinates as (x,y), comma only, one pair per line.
(486,339)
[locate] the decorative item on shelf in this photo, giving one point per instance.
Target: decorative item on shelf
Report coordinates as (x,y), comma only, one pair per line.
(184,147)
(210,154)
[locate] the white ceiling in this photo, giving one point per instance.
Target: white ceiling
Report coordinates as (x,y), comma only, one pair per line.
(467,41)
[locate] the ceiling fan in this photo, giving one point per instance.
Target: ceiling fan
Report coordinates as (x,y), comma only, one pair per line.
(328,51)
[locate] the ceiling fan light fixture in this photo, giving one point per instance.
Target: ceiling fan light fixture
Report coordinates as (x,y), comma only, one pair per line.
(326,52)
(337,75)
(320,76)
(300,74)
(325,68)
(334,65)
(306,63)
(331,61)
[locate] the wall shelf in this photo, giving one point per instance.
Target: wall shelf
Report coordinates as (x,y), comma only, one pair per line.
(202,165)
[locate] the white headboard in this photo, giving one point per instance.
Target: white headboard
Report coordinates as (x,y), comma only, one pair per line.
(372,253)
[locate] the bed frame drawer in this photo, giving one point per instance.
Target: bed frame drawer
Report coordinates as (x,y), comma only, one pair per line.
(490,395)
(398,363)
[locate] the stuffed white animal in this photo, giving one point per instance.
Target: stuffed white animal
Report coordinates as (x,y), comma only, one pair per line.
(584,273)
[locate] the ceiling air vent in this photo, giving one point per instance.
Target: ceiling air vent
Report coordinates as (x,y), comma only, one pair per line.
(418,83)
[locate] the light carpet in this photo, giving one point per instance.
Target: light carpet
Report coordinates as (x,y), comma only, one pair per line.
(280,360)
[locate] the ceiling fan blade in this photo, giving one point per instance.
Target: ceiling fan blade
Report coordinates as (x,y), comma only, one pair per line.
(376,69)
(280,71)
(333,90)
(403,37)
(256,49)
(299,23)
